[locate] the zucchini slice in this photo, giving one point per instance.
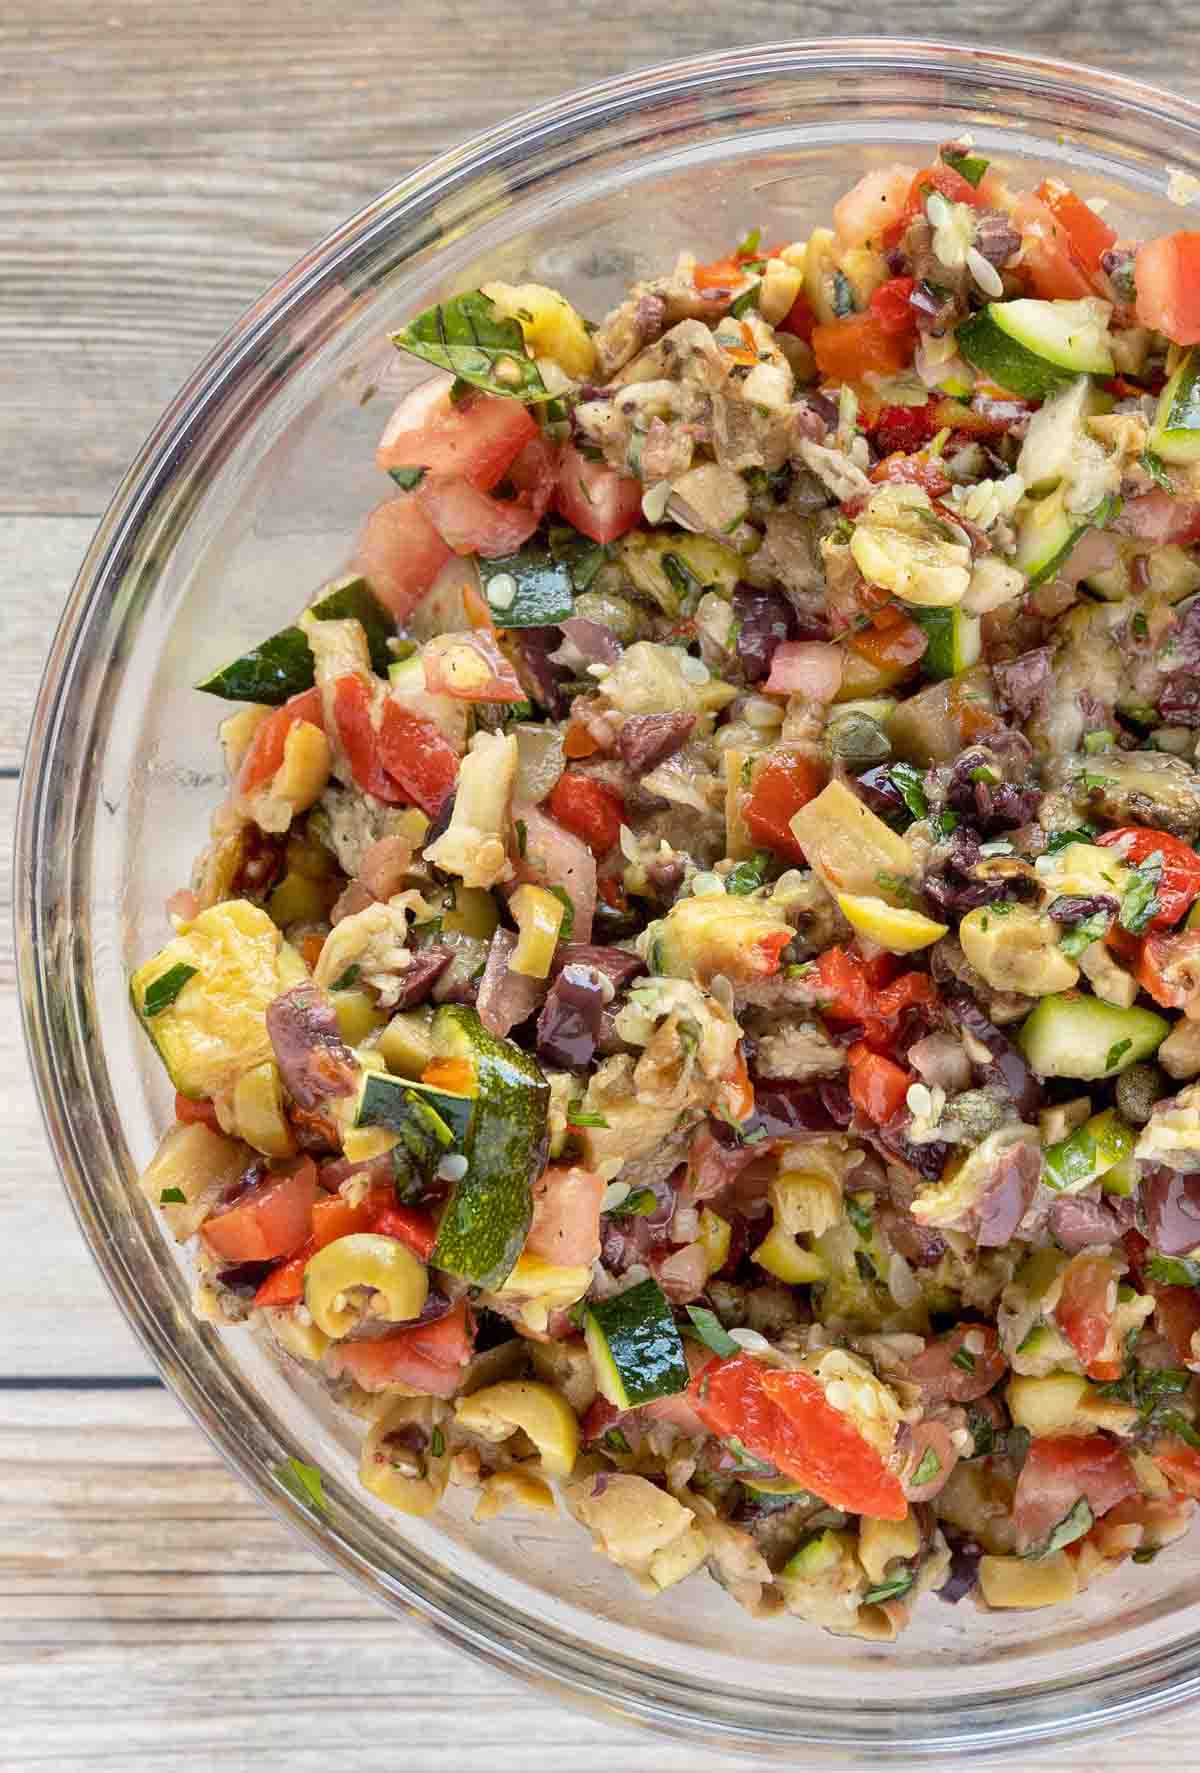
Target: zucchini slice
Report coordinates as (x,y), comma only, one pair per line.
(430,1124)
(1074,1163)
(1176,433)
(282,666)
(955,640)
(1070,1035)
(486,1217)
(1054,433)
(1047,533)
(636,1349)
(1035,348)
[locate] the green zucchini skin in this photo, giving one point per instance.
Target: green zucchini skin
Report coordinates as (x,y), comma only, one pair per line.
(1176,433)
(282,666)
(1070,1035)
(636,1347)
(385,1103)
(487,1214)
(954,641)
(1034,348)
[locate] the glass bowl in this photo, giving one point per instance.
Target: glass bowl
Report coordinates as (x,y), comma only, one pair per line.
(246,497)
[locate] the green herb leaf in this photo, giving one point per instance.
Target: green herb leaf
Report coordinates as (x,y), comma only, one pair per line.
(162,992)
(982,1431)
(1146,1387)
(1058,840)
(616,1441)
(712,1331)
(748,246)
(964,1359)
(1156,468)
(437,1443)
(1088,930)
(1139,625)
(568,922)
(747,1461)
(638,1204)
(944,824)
(1116,1053)
(407,478)
(1173,1271)
(859,1213)
(746,877)
(528,589)
(742,304)
(1089,779)
(522,831)
(683,582)
(1071,1161)
(467,336)
(348,978)
(1073,1526)
(1140,902)
(910,784)
(968,166)
(984,773)
(892,1587)
(928,1468)
(172,1197)
(304,1483)
(1179,1425)
(579,1116)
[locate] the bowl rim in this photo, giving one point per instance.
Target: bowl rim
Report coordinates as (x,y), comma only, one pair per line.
(555,1669)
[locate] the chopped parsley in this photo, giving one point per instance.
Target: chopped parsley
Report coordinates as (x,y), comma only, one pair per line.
(892,1587)
(968,166)
(616,1442)
(745,302)
(1156,468)
(928,1468)
(711,1330)
(407,478)
(437,1443)
(1173,1271)
(1058,840)
(1140,902)
(1116,1053)
(1078,1521)
(964,1359)
(348,978)
(909,783)
(568,922)
(303,1482)
(1088,930)
(748,876)
(162,992)
(172,1197)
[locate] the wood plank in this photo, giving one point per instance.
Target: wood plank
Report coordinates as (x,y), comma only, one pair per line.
(39,557)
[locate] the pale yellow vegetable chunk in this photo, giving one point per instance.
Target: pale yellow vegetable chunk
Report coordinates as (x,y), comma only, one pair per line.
(363,1259)
(551,326)
(847,846)
(527,1404)
(1025,1582)
(892,926)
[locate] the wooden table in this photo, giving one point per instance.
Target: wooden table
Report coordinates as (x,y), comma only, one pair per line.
(161,161)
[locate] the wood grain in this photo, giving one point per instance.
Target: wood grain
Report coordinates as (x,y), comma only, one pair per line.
(161,162)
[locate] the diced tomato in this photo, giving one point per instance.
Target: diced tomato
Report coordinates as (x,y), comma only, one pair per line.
(799,319)
(1168,967)
(728,273)
(784,780)
(904,428)
(578,741)
(890,306)
(1058,1472)
(1158,517)
(190,1113)
(1089,234)
(784,1418)
(416,1230)
(960,1366)
(265,753)
(1179,1464)
(851,349)
(332,1217)
(417,756)
(892,640)
(941,178)
(359,739)
(474,439)
(1180,882)
(473,522)
(588,808)
(1168,286)
(872,206)
(600,503)
(1085,1308)
(429,1357)
(918,470)
(470,667)
(1177,1317)
(1048,256)
(877,1085)
(272,1219)
(566,1216)
(455,1076)
(400,553)
(854,990)
(739,1091)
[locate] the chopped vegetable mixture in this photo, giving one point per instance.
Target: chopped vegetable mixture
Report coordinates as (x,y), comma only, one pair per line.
(692,1002)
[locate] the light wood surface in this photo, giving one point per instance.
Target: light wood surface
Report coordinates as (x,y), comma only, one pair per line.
(161,161)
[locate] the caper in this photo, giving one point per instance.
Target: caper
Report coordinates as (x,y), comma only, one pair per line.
(1138,1089)
(858,740)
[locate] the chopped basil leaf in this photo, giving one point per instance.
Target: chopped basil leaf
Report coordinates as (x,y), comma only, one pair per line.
(711,1330)
(747,877)
(964,1359)
(437,1443)
(1173,1271)
(910,784)
(743,303)
(748,247)
(1088,930)
(616,1442)
(348,977)
(1058,840)
(892,1587)
(407,478)
(1073,1526)
(171,1197)
(945,823)
(968,166)
(1156,468)
(303,1482)
(1116,1053)
(1139,625)
(1146,1387)
(522,831)
(467,336)
(928,1469)
(638,1204)
(1179,1425)
(162,992)
(568,922)
(579,1116)
(859,1214)
(1140,902)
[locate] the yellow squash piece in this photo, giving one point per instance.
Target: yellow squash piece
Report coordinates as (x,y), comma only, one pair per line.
(551,326)
(893,927)
(848,846)
(539,916)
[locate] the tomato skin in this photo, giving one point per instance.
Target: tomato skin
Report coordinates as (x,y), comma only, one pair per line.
(783,781)
(893,641)
(472,522)
(890,306)
(1180,883)
(873,206)
(1084,1313)
(501,685)
(799,319)
(416,1230)
(1167,276)
(854,990)
(566,1216)
(941,178)
(1061,1469)
(429,1357)
(400,553)
(1048,257)
(417,756)
(878,1086)
(943,1381)
(265,753)
(724,274)
(359,739)
(474,439)
(785,1418)
(1089,234)
(904,428)
(1179,1463)
(1168,968)
(849,350)
(589,809)
(600,503)
(190,1113)
(332,1217)
(271,1220)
